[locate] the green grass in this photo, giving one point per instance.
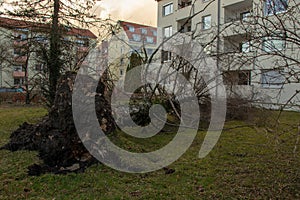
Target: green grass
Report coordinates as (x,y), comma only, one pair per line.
(247,163)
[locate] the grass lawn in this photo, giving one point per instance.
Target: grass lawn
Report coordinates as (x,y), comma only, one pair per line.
(247,163)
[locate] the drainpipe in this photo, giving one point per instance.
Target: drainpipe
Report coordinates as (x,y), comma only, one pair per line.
(218,43)
(0,75)
(218,32)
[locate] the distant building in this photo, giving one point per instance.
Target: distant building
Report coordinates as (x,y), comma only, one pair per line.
(20,55)
(129,38)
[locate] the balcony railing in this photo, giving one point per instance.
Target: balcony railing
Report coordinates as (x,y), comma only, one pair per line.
(82,49)
(20,59)
(184,4)
(18,74)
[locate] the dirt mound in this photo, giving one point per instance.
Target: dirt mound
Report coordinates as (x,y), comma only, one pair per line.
(55,137)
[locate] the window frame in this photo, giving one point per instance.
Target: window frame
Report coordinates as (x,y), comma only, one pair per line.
(170,31)
(237,77)
(18,68)
(268,44)
(248,48)
(270,10)
(136,37)
(166,54)
(131,28)
(244,16)
(149,39)
(144,31)
(204,25)
(170,11)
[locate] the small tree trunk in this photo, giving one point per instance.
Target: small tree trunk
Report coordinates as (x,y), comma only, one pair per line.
(54,61)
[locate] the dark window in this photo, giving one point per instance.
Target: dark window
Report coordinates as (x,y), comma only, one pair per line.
(166,56)
(244,78)
(239,77)
(275,6)
(245,15)
(167,9)
(39,67)
(18,81)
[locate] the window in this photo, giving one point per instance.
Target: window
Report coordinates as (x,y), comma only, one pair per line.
(144,31)
(239,77)
(131,28)
(19,52)
(244,78)
(154,32)
(18,68)
(245,47)
(273,43)
(18,81)
(168,9)
(149,39)
(275,6)
(136,37)
(166,56)
(121,72)
(185,29)
(41,39)
(21,36)
(206,22)
(245,16)
(82,43)
(39,67)
(149,51)
(168,31)
(272,79)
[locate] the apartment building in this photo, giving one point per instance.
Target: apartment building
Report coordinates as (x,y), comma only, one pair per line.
(252,41)
(20,43)
(129,38)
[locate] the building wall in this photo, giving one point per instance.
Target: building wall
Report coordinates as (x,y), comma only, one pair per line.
(10,39)
(232,34)
(121,46)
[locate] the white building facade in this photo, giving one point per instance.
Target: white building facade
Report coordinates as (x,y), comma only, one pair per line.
(254,43)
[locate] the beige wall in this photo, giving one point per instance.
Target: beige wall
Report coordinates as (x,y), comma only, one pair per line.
(119,51)
(230,10)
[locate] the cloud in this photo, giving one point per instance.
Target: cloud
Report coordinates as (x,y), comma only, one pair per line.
(141,11)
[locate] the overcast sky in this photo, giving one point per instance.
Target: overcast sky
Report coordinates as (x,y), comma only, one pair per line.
(140,11)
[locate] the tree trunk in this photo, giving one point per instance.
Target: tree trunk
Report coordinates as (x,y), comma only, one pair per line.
(54,64)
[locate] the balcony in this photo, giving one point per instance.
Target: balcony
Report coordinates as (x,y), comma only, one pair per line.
(18,74)
(82,49)
(227,3)
(19,43)
(237,10)
(20,59)
(184,3)
(183,12)
(184,25)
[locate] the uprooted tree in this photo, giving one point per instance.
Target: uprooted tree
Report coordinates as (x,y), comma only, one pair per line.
(55,137)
